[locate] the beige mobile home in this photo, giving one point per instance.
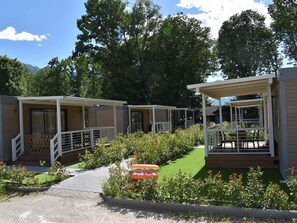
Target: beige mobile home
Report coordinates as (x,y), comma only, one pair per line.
(54,127)
(269,142)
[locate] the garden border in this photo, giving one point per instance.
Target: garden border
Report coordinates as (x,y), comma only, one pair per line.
(213,210)
(26,189)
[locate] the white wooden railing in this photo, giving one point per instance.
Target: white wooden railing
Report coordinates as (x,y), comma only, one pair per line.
(161,127)
(240,140)
(17,145)
(54,148)
(77,140)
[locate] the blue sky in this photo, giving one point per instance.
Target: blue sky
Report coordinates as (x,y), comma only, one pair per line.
(35,31)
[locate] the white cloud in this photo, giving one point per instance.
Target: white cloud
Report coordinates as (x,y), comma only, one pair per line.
(213,13)
(10,34)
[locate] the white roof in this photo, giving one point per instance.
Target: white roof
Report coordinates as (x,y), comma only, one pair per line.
(234,87)
(68,100)
(246,103)
(148,107)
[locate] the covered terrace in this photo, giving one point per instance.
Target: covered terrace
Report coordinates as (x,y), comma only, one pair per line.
(56,125)
(150,118)
(241,136)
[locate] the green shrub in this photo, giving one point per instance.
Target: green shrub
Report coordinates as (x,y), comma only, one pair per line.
(252,194)
(292,184)
(275,198)
(182,188)
(146,148)
(57,172)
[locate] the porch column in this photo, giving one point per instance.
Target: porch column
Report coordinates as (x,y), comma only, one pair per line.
(83,117)
(236,122)
(204,125)
(260,116)
(154,121)
(270,122)
(115,121)
(231,116)
(130,126)
(21,116)
(59,126)
(186,118)
(170,118)
(220,110)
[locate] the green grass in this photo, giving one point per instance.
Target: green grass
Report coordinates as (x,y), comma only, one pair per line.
(74,165)
(191,163)
(194,164)
(44,178)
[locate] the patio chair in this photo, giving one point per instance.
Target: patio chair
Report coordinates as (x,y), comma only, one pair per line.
(224,141)
(255,139)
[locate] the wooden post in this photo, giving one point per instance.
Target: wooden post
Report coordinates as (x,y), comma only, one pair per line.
(154,121)
(231,117)
(115,121)
(170,118)
(270,122)
(221,115)
(83,117)
(59,126)
(130,124)
(21,116)
(186,118)
(204,125)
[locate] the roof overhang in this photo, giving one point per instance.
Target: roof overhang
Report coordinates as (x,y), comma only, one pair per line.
(149,107)
(234,87)
(185,109)
(246,103)
(69,101)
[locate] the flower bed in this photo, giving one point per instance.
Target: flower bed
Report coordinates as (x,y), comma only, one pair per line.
(17,178)
(212,190)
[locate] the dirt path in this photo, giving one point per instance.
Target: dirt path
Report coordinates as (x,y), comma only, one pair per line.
(72,207)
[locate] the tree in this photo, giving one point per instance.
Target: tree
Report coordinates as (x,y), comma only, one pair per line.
(13,77)
(87,78)
(118,39)
(284,15)
(181,55)
(246,47)
(54,79)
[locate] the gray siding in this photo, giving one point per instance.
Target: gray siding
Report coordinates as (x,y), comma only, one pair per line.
(288,122)
(291,108)
(9,124)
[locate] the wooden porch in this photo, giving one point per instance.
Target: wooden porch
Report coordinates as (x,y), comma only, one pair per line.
(241,161)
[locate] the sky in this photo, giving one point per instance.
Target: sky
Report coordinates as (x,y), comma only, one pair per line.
(35,31)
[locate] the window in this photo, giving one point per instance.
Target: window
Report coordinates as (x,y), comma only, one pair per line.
(137,121)
(44,122)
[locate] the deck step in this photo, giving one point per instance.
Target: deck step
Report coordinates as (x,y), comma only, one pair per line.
(241,161)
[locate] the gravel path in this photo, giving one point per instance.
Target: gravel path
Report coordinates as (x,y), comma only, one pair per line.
(73,206)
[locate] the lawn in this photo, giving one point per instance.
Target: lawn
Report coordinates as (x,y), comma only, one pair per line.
(194,164)
(191,163)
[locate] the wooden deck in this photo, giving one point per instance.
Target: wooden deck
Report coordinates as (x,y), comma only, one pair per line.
(241,161)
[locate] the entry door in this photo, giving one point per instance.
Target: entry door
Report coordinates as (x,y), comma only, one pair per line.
(136,121)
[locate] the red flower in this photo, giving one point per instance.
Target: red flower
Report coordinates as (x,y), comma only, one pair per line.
(209,172)
(292,170)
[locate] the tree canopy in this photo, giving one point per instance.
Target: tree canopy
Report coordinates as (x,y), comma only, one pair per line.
(284,15)
(182,55)
(144,58)
(13,77)
(246,47)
